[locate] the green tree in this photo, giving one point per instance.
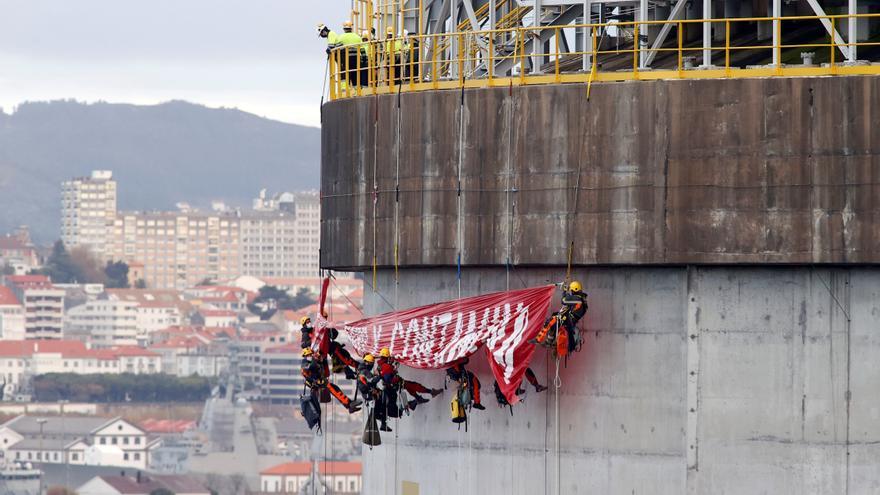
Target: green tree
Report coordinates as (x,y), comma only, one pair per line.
(302,299)
(8,269)
(140,284)
(117,275)
(59,267)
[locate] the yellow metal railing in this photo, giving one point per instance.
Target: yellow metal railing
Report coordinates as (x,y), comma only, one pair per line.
(507,56)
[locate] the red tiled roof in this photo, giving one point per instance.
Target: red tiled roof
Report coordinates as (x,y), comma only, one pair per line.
(290,469)
(67,348)
(303,468)
(12,242)
(217,312)
(152,425)
(131,350)
(27,279)
(339,467)
(286,348)
(7,298)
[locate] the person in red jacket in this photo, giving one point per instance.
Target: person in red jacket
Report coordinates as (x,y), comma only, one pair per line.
(393,380)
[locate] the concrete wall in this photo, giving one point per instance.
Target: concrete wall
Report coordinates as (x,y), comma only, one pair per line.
(712,171)
(721,380)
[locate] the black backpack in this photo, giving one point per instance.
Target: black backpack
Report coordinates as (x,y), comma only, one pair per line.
(311,410)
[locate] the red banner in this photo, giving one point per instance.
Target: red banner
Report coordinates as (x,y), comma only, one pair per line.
(437,335)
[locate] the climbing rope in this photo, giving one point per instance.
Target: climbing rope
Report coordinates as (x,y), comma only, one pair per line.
(557,383)
(458,192)
(375,185)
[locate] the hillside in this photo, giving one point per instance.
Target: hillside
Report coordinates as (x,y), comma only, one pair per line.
(160,154)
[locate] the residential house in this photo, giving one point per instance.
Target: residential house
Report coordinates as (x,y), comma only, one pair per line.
(43,305)
(143,484)
(90,441)
(292,477)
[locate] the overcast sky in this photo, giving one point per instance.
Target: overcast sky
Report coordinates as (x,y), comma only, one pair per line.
(261,56)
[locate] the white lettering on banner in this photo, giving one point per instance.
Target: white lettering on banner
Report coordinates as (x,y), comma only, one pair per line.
(504,355)
(437,335)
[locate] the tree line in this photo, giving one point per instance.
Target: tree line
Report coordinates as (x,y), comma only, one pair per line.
(125,387)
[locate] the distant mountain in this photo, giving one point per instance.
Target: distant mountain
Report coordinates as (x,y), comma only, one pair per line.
(160,155)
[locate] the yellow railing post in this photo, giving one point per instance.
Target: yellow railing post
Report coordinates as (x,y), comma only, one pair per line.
(556,43)
(727,47)
(490,67)
(434,63)
(460,58)
(680,54)
(332,79)
(636,51)
(778,47)
(833,47)
(521,39)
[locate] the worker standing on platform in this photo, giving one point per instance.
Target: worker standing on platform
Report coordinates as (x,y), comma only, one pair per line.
(332,37)
(393,381)
(467,380)
(350,41)
(316,374)
(307,331)
(393,55)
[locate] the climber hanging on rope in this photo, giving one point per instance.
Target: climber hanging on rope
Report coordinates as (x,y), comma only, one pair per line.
(307,332)
(468,384)
(340,358)
(574,306)
(316,374)
(392,380)
(533,380)
(368,386)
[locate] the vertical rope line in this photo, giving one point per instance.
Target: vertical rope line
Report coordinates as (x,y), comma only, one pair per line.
(396,272)
(375,184)
(460,163)
(558,383)
(508,213)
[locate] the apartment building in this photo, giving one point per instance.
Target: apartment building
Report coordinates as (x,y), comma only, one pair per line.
(21,360)
(88,211)
(179,249)
(280,237)
(308,234)
(11,316)
(90,441)
(103,323)
(43,305)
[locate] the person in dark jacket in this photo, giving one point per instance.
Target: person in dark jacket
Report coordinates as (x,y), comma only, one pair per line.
(316,373)
(466,379)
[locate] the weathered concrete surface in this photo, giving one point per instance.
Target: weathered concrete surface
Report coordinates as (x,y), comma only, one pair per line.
(708,380)
(777,170)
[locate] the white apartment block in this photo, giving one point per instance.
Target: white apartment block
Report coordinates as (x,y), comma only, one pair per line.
(11,316)
(178,249)
(189,364)
(21,360)
(43,305)
(88,210)
(103,323)
(308,233)
(154,317)
(281,236)
(89,441)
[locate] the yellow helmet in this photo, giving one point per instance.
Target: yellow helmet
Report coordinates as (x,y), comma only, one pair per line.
(346,24)
(307,352)
(322,28)
(385,352)
(369,358)
(365,34)
(389,30)
(575,286)
(304,320)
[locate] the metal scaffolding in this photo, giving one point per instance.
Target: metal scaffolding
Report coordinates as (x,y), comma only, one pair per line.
(424,44)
